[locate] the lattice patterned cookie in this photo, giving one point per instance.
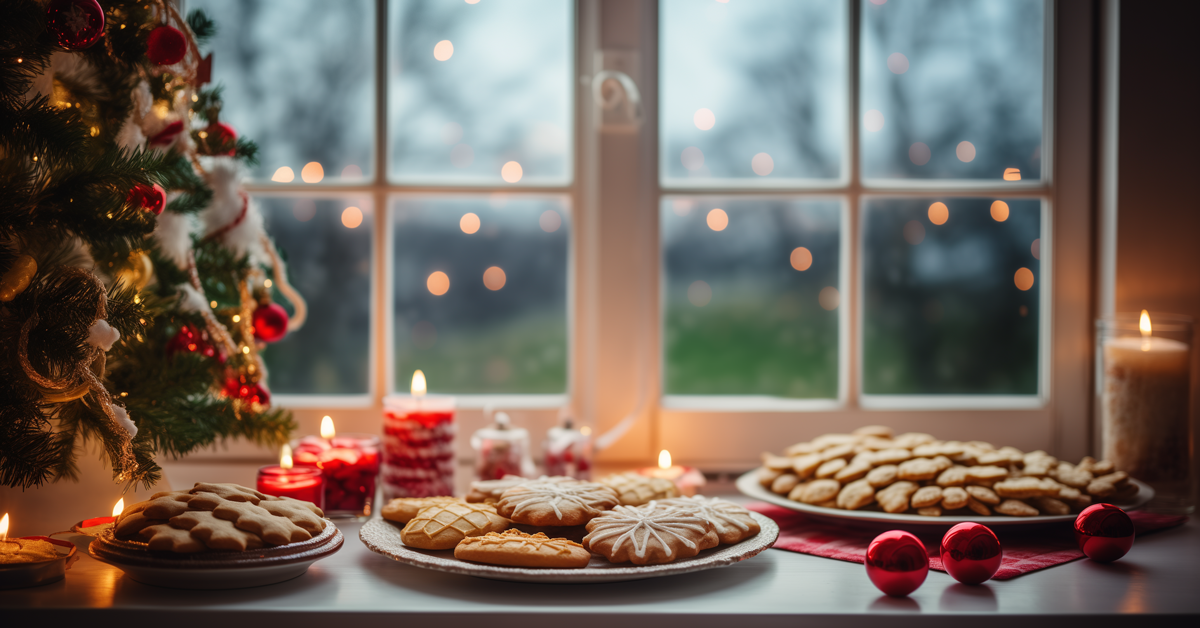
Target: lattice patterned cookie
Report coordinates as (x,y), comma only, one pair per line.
(648,535)
(490,490)
(555,503)
(732,523)
(514,548)
(403,509)
(634,489)
(443,527)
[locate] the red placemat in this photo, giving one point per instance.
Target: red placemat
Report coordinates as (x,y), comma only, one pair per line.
(1024,550)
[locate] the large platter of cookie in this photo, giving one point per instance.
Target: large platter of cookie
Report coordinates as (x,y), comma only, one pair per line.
(874,476)
(217,536)
(560,530)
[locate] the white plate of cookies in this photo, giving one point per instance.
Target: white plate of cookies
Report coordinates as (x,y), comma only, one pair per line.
(874,476)
(217,536)
(560,530)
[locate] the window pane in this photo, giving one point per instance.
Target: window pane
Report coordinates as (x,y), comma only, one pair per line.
(476,87)
(480,289)
(952,90)
(753,90)
(327,245)
(751,296)
(951,296)
(299,81)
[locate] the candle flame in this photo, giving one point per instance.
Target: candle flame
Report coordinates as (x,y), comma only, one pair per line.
(585,430)
(119,507)
(327,430)
(664,459)
(4,528)
(285,457)
(1144,326)
(418,383)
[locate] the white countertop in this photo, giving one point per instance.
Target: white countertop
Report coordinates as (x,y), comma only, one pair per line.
(1160,576)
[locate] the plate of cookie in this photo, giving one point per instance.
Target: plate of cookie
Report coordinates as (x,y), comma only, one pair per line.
(873,476)
(217,536)
(561,530)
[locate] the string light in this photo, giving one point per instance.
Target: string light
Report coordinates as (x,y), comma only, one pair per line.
(237,318)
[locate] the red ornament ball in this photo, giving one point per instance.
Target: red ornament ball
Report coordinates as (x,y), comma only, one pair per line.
(1104,532)
(193,340)
(166,46)
(270,322)
(75,24)
(971,553)
(151,198)
(897,563)
(248,392)
(218,135)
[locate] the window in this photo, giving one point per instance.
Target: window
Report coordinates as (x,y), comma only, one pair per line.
(834,211)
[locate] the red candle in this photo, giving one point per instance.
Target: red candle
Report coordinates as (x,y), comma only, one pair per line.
(419,435)
(303,483)
(349,464)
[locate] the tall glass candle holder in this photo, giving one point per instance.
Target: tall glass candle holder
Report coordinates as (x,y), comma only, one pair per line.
(349,464)
(1143,375)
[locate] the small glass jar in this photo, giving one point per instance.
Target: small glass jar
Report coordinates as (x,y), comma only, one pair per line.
(501,449)
(350,465)
(568,451)
(302,483)
(1143,377)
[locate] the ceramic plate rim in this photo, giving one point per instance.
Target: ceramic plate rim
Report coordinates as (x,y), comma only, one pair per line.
(720,556)
(749,486)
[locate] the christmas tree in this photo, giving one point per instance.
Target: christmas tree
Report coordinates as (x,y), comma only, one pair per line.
(136,278)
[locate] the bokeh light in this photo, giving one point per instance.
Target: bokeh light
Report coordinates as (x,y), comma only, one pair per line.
(829,298)
(1023,279)
(704,119)
(438,283)
(692,158)
(999,211)
(352,217)
(443,50)
(283,175)
(469,223)
(801,258)
(511,172)
(762,164)
(494,278)
(965,151)
(304,209)
(1012,174)
(897,63)
(717,220)
(1036,249)
(919,153)
(352,172)
(312,172)
(939,213)
(873,120)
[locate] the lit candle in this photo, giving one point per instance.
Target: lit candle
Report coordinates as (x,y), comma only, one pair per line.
(97,525)
(286,480)
(418,431)
(349,464)
(32,560)
(687,479)
(1144,408)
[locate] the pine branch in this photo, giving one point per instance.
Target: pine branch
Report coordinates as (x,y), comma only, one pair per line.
(180,176)
(24,38)
(203,27)
(37,128)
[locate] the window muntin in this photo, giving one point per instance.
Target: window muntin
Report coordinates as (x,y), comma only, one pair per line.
(475,88)
(752,91)
(327,242)
(480,286)
(298,79)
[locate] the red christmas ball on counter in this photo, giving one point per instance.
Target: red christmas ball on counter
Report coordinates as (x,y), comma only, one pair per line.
(1104,532)
(166,46)
(897,563)
(75,24)
(219,134)
(270,322)
(249,392)
(193,340)
(971,553)
(151,198)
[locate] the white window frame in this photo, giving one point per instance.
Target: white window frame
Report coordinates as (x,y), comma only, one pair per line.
(615,363)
